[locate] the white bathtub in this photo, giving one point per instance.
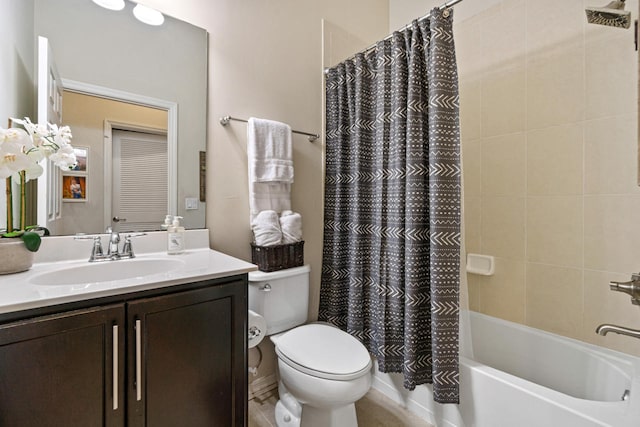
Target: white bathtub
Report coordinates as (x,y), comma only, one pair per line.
(524,377)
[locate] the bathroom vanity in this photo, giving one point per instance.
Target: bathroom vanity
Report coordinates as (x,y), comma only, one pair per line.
(163,349)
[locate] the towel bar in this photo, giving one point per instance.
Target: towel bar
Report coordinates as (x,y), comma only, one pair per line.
(226,119)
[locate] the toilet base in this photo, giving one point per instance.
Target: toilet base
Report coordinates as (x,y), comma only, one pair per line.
(342,416)
(284,417)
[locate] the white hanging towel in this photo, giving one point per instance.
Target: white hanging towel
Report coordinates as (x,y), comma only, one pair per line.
(270,166)
(269,151)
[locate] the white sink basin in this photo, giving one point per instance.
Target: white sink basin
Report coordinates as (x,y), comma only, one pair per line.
(106,271)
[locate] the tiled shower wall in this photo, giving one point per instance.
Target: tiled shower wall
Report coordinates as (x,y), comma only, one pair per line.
(549,131)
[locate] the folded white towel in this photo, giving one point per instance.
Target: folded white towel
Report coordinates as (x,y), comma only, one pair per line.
(266,229)
(291,225)
(269,151)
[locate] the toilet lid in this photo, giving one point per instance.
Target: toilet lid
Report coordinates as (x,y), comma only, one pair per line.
(324,351)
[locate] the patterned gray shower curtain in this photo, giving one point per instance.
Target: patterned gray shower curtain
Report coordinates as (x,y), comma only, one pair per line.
(391,257)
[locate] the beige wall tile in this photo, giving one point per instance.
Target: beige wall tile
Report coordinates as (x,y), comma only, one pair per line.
(472,167)
(503,294)
(554,160)
(503,227)
(468,53)
(473,223)
(474,282)
(611,232)
(554,230)
(555,88)
(498,50)
(601,305)
(608,92)
(552,25)
(470,108)
(611,147)
(554,299)
(503,100)
(503,165)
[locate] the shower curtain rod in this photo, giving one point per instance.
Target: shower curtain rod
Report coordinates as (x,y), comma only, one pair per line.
(447,5)
(312,136)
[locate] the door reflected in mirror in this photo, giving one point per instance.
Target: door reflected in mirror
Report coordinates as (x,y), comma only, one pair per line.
(134,189)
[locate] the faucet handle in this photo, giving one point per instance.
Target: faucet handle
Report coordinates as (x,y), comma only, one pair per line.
(83,236)
(127,248)
(632,288)
(96,251)
(134,235)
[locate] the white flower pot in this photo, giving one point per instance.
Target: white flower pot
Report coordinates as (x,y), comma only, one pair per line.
(14,256)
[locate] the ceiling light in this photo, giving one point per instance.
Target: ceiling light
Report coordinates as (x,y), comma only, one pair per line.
(147,15)
(110,4)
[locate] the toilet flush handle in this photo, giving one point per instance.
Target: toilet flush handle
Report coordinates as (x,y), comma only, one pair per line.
(266,287)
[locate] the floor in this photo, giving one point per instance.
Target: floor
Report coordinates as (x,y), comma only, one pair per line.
(373,410)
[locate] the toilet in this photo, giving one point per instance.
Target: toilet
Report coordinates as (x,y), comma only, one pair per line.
(322,370)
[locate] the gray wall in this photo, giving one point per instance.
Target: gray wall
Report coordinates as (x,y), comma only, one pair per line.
(16,67)
(17,63)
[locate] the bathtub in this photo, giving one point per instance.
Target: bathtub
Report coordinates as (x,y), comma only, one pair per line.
(524,377)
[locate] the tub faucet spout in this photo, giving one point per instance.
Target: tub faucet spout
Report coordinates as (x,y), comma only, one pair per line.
(604,329)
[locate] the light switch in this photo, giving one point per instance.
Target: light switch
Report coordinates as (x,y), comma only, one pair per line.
(190,203)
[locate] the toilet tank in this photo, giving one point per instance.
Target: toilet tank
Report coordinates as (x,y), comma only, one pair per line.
(281,297)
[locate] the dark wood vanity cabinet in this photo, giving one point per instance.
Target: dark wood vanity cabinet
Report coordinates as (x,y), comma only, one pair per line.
(58,370)
(152,359)
(186,347)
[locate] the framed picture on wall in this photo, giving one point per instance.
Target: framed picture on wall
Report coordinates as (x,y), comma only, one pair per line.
(82,154)
(74,188)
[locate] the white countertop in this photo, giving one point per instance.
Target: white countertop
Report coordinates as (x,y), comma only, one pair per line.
(17,292)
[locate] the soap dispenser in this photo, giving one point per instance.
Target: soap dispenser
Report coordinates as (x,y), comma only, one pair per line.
(175,237)
(168,219)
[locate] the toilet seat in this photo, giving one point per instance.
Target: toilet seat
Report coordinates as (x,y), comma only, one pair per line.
(324,351)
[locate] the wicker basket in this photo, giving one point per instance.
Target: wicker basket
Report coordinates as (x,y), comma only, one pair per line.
(279,257)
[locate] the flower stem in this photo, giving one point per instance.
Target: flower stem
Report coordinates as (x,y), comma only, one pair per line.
(23,198)
(9,205)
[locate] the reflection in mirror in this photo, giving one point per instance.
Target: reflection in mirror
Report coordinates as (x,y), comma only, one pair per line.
(136,167)
(96,47)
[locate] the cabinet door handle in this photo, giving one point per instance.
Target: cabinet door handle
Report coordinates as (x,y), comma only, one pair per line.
(115,367)
(138,360)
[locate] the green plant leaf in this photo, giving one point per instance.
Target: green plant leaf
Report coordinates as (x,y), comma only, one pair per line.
(16,233)
(31,240)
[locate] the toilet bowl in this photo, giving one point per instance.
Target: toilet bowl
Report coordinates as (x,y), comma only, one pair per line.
(322,370)
(326,371)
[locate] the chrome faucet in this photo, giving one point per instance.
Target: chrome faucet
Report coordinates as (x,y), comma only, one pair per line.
(632,288)
(113,251)
(604,329)
(114,239)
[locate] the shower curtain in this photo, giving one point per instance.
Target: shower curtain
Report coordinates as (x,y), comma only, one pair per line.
(390,269)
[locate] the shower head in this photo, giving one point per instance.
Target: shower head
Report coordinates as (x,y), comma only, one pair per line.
(612,15)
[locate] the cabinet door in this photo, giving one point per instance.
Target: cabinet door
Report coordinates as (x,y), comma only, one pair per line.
(187,355)
(63,370)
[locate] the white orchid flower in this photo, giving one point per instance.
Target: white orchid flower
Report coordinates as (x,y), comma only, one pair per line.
(13,160)
(21,152)
(15,136)
(64,158)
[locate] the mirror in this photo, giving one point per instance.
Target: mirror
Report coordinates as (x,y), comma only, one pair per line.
(113,55)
